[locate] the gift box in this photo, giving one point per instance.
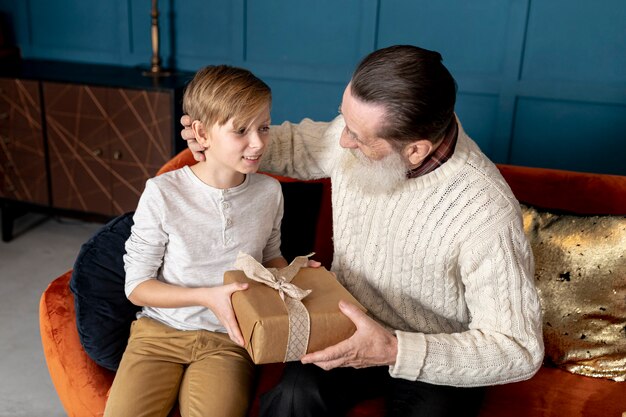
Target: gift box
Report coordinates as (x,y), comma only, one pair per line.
(264,320)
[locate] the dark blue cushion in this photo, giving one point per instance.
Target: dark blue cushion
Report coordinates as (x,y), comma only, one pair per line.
(103,313)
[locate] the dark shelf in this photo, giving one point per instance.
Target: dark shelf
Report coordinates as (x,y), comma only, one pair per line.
(92,74)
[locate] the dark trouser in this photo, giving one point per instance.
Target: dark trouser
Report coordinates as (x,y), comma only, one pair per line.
(309,391)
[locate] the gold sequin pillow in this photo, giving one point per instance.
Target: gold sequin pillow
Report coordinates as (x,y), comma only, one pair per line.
(580,271)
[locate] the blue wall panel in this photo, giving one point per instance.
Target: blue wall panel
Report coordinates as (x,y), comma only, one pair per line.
(471,35)
(278,34)
(206,32)
(76,30)
(585,42)
(316,41)
(478,114)
(576,136)
(74,25)
(293,100)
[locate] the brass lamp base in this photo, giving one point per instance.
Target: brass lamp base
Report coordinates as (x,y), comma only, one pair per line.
(159,72)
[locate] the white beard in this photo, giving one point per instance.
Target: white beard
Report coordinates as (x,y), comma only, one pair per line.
(374,177)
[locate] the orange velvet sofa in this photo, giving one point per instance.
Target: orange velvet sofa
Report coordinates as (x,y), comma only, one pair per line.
(82,385)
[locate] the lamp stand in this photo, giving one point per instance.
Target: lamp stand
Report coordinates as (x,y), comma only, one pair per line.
(155,62)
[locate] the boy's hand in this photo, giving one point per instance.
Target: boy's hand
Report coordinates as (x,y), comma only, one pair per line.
(188,135)
(218,300)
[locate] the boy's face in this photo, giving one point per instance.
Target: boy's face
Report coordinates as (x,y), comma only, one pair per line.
(237,148)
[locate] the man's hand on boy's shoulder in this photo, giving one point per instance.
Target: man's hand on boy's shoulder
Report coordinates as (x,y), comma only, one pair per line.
(188,135)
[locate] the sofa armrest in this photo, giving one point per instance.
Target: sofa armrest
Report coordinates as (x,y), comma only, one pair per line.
(81,385)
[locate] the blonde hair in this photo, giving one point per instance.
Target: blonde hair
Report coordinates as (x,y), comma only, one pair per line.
(218,93)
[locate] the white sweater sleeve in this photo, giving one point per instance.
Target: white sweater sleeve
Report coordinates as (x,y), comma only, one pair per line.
(504,340)
(307,150)
(146,245)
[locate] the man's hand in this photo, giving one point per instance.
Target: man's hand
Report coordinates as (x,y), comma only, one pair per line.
(187,134)
(315,264)
(370,345)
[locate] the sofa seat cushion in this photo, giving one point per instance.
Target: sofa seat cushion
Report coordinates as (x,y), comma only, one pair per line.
(554,392)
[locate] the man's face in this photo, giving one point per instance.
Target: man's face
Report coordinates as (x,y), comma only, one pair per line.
(370,162)
(362,124)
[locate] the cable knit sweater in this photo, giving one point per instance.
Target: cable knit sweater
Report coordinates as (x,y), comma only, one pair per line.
(443,260)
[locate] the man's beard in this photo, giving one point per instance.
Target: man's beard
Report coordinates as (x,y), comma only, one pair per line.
(374,177)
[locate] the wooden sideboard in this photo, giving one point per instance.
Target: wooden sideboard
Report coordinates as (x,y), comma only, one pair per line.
(82,139)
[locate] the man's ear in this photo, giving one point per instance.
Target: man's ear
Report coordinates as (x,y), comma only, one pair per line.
(200,132)
(417,151)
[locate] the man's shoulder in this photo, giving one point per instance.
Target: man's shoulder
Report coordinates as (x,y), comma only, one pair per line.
(488,173)
(483,185)
(478,168)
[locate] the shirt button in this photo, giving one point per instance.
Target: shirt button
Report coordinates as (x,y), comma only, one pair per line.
(229,222)
(225,205)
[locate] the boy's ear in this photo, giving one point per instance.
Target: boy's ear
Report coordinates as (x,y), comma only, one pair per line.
(417,151)
(201,134)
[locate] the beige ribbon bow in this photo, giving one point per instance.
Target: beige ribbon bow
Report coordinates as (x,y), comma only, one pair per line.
(280,280)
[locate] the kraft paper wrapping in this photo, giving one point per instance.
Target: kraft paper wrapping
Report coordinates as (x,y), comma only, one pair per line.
(264,322)
(280,280)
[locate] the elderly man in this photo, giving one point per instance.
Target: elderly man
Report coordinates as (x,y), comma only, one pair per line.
(427,236)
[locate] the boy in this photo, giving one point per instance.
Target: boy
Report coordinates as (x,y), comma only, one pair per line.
(188,228)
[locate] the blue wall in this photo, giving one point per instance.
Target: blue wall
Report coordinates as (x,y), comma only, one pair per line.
(541,83)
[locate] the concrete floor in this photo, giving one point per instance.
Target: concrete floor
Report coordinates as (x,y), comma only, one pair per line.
(42,249)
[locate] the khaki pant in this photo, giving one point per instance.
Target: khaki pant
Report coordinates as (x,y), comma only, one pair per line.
(209,374)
